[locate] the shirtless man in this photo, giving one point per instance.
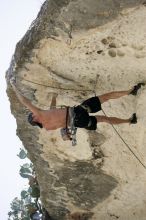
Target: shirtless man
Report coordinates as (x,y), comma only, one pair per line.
(54,118)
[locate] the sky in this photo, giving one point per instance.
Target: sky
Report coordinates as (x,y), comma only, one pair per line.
(15,18)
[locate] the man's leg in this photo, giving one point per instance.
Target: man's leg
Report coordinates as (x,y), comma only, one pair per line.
(114,120)
(113,95)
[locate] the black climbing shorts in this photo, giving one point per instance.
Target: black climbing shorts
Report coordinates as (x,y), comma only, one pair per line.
(92,104)
(82,117)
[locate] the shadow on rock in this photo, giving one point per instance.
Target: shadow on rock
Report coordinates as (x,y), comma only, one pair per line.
(86,185)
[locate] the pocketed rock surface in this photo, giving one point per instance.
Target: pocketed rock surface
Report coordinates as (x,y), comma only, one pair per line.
(67,51)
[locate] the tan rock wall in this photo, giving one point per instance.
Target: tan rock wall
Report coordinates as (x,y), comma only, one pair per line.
(99,178)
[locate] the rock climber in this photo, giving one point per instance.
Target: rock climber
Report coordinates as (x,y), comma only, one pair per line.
(55,118)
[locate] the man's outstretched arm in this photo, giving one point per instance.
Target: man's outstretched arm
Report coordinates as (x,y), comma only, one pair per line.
(26,102)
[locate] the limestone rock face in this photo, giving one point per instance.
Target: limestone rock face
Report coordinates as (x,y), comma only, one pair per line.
(72,48)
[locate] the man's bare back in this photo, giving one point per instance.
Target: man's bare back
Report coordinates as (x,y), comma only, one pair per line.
(53,118)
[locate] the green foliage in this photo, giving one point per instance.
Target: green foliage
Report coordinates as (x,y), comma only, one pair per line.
(22,154)
(25,175)
(16,205)
(35,191)
(26,218)
(18,209)
(28,202)
(28,166)
(29,190)
(26,170)
(22,208)
(24,194)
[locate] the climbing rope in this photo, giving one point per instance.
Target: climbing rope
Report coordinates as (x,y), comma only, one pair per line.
(125,143)
(55,87)
(94,91)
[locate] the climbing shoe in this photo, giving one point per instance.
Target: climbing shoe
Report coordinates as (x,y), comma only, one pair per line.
(136,88)
(133,119)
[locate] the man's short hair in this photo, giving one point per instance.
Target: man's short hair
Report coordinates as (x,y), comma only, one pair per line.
(33,123)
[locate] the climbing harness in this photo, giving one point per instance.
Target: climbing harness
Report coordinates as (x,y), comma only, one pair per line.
(73,128)
(69,132)
(65,132)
